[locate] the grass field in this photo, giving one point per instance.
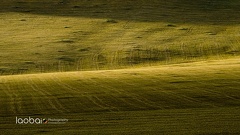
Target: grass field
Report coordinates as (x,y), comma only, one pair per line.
(193,98)
(114,67)
(91,35)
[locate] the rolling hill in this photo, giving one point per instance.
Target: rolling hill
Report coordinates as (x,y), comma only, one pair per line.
(174,99)
(51,36)
(120,67)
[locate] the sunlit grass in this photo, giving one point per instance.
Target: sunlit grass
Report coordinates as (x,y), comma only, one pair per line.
(120,67)
(201,94)
(36,43)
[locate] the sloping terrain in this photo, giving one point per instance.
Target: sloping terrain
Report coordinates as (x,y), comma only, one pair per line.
(175,99)
(153,67)
(43,36)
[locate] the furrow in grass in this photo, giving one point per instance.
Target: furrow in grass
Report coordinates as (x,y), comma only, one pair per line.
(137,98)
(45,90)
(210,94)
(130,98)
(15,99)
(75,90)
(10,104)
(79,93)
(30,99)
(159,92)
(106,105)
(43,95)
(4,98)
(107,91)
(53,102)
(99,104)
(172,92)
(56,92)
(136,89)
(117,93)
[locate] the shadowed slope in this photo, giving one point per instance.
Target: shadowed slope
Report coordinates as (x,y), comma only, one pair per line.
(184,11)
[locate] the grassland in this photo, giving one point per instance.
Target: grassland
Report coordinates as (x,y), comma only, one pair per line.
(114,67)
(193,98)
(52,36)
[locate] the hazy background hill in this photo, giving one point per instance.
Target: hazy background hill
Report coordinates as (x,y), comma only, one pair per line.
(64,35)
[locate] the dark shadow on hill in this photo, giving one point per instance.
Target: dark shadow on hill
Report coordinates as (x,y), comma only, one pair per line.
(181,11)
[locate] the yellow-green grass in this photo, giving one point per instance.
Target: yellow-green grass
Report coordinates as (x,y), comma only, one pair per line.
(167,67)
(189,98)
(49,36)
